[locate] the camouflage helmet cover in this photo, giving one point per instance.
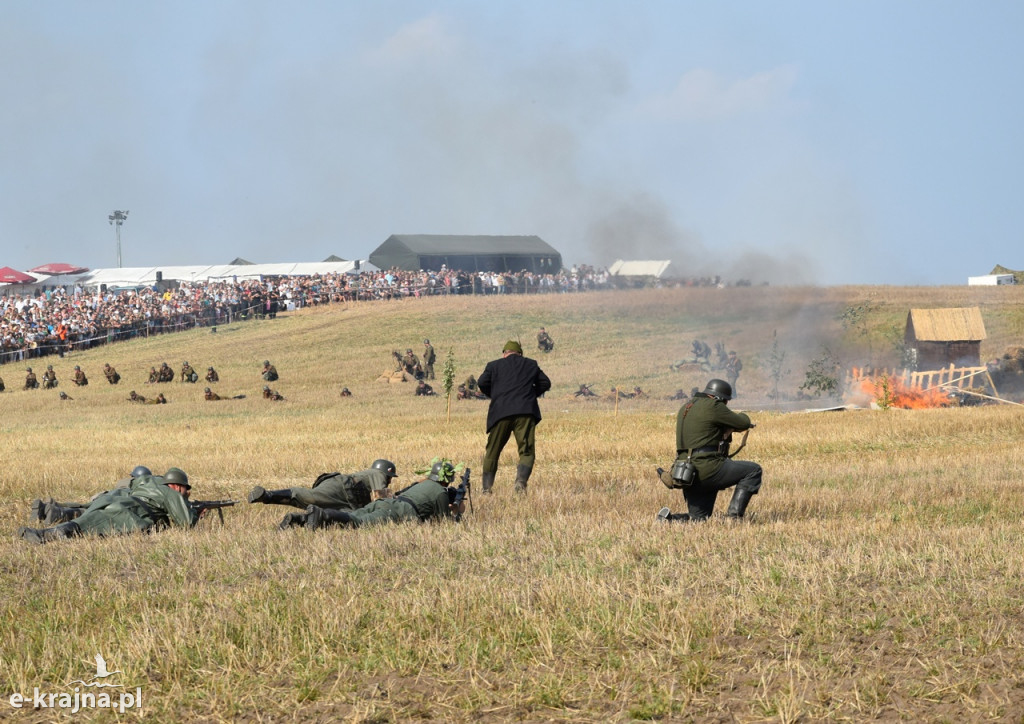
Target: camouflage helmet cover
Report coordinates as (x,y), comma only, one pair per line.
(442,472)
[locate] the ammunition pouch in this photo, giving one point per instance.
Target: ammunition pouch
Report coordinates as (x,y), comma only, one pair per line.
(683,474)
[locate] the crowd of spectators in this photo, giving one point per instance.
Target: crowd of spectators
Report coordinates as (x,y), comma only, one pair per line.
(57,320)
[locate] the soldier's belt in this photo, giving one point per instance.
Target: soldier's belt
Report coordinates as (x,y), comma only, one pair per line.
(706,449)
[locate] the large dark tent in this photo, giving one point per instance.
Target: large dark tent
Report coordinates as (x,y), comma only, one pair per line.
(413,252)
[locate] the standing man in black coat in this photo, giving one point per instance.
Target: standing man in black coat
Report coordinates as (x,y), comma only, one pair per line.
(513,383)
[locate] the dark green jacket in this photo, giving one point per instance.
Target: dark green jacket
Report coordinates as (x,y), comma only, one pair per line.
(702,423)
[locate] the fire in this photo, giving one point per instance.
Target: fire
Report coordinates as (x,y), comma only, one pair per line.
(891,391)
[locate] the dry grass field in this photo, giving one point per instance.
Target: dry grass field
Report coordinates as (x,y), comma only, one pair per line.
(878,576)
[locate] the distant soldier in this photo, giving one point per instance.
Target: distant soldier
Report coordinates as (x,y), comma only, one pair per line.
(188,374)
(158,400)
(166,374)
(701,352)
(423,389)
(211,396)
(411,364)
(31,383)
(679,395)
(79,377)
(346,392)
(2,385)
(584,391)
(733,365)
(65,396)
(49,378)
(269,394)
(134,396)
(429,357)
(154,376)
(111,374)
(269,372)
(211,375)
(544,341)
(639,394)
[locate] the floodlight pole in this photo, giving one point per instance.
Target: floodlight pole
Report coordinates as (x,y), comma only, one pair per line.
(116,219)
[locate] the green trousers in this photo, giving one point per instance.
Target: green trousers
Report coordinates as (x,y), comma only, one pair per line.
(524,427)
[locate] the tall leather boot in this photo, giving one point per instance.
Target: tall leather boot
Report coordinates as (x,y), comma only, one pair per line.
(317,517)
(738,505)
(48,535)
(56,514)
(292,520)
(259,494)
(39,506)
(522,475)
(487,481)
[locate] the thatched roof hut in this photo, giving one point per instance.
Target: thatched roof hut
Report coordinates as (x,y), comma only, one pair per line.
(942,337)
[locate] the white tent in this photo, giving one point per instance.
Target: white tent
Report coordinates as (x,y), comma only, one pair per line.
(639,268)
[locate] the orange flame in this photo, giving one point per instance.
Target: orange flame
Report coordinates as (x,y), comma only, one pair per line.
(891,390)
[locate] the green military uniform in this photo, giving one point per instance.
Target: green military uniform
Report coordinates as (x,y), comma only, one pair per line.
(49,378)
(702,426)
(79,378)
(111,374)
(341,491)
(188,374)
(148,505)
(429,358)
(424,500)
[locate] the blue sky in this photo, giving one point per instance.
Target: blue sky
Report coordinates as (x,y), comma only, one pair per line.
(791,142)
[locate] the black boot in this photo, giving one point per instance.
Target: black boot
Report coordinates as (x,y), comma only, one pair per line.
(292,520)
(56,514)
(738,505)
(259,494)
(39,507)
(48,535)
(522,475)
(317,517)
(487,481)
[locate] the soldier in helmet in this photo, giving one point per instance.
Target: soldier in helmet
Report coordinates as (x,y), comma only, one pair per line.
(31,382)
(79,377)
(188,374)
(429,357)
(165,373)
(704,428)
(544,341)
(269,394)
(111,374)
(423,389)
(411,364)
(134,396)
(50,512)
(211,396)
(154,376)
(49,378)
(269,371)
(429,499)
(211,375)
(333,490)
(153,502)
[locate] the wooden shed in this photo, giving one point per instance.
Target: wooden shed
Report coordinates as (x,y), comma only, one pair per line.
(943,337)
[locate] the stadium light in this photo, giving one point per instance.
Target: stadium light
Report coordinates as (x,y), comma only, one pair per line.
(116,219)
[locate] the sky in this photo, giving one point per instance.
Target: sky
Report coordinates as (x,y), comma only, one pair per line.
(824,143)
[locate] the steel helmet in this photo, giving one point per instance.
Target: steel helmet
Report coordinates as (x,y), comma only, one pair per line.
(177,476)
(385,466)
(442,472)
(141,470)
(719,388)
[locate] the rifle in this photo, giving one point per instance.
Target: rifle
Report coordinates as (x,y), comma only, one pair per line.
(203,505)
(462,492)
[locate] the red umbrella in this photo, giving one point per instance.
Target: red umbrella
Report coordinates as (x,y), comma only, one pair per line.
(59,268)
(14,276)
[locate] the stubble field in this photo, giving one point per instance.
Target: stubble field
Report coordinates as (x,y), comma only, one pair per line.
(878,576)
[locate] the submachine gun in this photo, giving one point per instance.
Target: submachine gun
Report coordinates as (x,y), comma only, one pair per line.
(462,492)
(201,506)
